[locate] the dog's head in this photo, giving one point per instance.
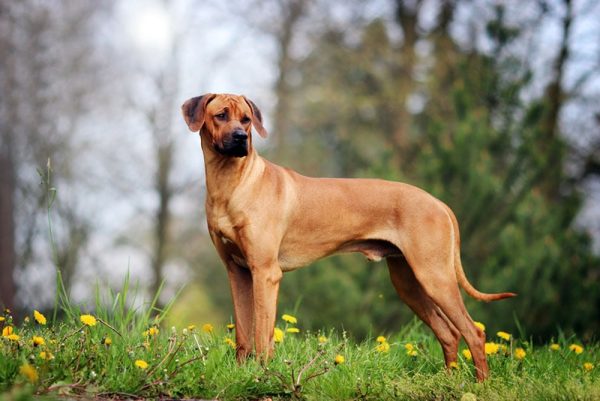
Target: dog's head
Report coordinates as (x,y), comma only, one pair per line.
(225,120)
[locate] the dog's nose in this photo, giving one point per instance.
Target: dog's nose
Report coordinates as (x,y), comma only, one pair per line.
(239,135)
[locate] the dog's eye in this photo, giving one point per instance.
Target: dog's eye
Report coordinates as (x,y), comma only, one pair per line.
(245,120)
(220,116)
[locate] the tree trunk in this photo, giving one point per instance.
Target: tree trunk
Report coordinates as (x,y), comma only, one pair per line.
(162,217)
(7,170)
(7,230)
(407,17)
(281,123)
(161,122)
(549,142)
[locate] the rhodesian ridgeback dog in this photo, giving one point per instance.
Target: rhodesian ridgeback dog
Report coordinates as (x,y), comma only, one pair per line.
(265,220)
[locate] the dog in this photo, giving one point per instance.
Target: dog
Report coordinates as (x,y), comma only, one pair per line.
(265,220)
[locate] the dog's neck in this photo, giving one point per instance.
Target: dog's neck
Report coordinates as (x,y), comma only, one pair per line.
(225,174)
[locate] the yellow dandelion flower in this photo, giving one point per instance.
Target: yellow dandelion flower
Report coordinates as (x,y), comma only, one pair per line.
(413,352)
(554,347)
(151,332)
(107,341)
(504,335)
(41,319)
(230,326)
(383,347)
(230,342)
(339,359)
(2,318)
(578,349)
(467,354)
(191,327)
(588,366)
(520,353)
(7,331)
(207,327)
(293,330)
(290,319)
(409,347)
(278,335)
(480,326)
(45,355)
(453,365)
(322,339)
(37,340)
(29,372)
(381,339)
(491,348)
(141,364)
(13,337)
(88,320)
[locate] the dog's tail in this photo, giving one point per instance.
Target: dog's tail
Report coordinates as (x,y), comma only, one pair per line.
(472,291)
(460,273)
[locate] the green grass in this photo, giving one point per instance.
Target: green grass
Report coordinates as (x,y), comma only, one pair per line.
(99,361)
(196,363)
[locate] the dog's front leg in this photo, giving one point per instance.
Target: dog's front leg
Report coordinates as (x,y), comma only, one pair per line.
(240,281)
(265,284)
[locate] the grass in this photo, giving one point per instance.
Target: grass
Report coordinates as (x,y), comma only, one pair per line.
(103,360)
(123,352)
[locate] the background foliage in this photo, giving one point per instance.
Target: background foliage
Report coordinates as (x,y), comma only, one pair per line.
(491,106)
(495,155)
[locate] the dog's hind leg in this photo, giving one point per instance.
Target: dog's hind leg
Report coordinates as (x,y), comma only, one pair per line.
(413,295)
(429,247)
(438,280)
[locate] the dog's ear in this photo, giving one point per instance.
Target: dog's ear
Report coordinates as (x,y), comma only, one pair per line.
(256,118)
(193,111)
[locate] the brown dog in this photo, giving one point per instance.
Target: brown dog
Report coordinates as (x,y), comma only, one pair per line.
(265,220)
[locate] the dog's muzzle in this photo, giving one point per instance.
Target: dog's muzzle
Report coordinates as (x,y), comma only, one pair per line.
(236,145)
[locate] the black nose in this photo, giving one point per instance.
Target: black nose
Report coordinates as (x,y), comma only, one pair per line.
(239,135)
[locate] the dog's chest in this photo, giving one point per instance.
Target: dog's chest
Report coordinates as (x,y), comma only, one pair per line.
(224,229)
(220,221)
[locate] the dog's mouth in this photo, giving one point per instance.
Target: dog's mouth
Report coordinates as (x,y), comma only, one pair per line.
(233,148)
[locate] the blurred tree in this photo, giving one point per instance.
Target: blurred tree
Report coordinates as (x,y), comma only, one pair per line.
(159,117)
(476,165)
(407,17)
(7,182)
(550,142)
(49,76)
(160,110)
(402,97)
(476,144)
(291,12)
(355,122)
(281,21)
